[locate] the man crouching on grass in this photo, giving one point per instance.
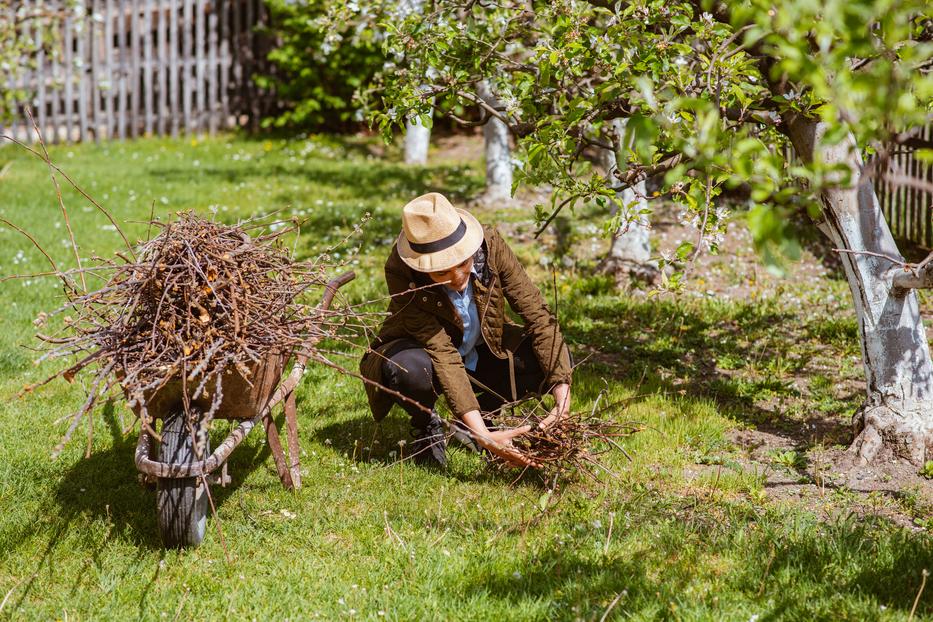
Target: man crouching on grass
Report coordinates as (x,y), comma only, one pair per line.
(447,331)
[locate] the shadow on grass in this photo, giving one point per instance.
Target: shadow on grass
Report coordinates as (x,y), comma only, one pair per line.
(655,582)
(363,440)
(106,487)
(745,357)
(352,180)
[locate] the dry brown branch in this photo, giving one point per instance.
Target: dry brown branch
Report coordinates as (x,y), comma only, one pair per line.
(572,443)
(201,301)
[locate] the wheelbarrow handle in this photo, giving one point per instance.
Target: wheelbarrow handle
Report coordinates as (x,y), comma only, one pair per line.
(333,285)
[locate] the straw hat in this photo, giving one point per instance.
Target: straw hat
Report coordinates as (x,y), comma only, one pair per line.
(435,235)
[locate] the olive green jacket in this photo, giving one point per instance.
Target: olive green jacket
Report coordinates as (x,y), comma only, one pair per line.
(421,311)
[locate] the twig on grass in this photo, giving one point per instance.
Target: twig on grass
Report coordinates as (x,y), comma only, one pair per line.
(181,604)
(764,577)
(923,584)
(615,601)
(391,532)
(612,516)
(13,589)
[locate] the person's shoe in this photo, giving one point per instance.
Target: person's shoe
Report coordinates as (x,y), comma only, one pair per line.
(429,447)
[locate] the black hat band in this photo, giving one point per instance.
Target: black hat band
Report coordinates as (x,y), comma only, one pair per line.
(442,244)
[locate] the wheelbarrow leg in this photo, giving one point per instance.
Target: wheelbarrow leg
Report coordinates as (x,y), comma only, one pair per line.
(275,446)
(294,451)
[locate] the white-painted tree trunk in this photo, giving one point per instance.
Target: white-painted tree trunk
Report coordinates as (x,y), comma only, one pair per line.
(498,152)
(417,140)
(417,136)
(896,420)
(630,250)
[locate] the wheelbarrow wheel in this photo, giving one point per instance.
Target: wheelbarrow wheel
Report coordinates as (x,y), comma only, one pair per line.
(181,502)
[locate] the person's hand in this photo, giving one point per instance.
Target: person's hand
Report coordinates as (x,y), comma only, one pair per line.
(561,408)
(498,443)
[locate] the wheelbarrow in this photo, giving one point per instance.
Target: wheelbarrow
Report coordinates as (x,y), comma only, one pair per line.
(177,464)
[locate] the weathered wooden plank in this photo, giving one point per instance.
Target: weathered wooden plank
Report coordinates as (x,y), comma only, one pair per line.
(923,197)
(85,77)
(123,109)
(252,18)
(237,44)
(94,35)
(173,65)
(906,197)
(901,197)
(27,78)
(915,209)
(890,198)
(56,93)
(148,9)
(8,83)
(99,66)
(928,204)
(134,78)
(212,70)
(200,49)
(223,34)
(187,43)
(40,111)
(162,66)
(81,69)
(68,77)
(107,89)
(895,198)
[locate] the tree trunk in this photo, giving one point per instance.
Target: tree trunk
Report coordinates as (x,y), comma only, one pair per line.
(896,420)
(498,152)
(417,139)
(630,251)
(417,136)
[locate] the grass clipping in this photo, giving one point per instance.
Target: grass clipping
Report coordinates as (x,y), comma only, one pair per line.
(196,301)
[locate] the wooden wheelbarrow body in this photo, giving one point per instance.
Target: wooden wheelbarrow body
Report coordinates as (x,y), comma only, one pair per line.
(245,401)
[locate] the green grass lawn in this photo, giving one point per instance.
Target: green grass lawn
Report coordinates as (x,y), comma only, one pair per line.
(369,537)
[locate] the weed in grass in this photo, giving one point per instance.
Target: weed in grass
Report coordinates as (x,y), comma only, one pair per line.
(788,459)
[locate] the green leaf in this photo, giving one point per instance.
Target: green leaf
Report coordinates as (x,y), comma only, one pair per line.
(644,135)
(684,250)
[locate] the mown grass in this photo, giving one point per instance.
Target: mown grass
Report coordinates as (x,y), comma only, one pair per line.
(370,537)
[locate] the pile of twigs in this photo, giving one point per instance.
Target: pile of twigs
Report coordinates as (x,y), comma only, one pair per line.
(194,302)
(573,444)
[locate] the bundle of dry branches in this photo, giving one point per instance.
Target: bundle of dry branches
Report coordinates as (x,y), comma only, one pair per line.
(572,444)
(197,302)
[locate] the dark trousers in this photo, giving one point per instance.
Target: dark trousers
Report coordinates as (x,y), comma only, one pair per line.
(409,371)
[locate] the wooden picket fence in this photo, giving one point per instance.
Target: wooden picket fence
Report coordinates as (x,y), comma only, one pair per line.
(905,193)
(906,196)
(130,68)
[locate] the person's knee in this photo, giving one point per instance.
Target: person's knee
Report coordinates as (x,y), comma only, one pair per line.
(409,372)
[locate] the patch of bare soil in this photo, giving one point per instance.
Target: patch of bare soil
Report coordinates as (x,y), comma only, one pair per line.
(461,147)
(828,482)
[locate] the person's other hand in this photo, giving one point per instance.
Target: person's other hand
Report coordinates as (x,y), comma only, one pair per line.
(561,409)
